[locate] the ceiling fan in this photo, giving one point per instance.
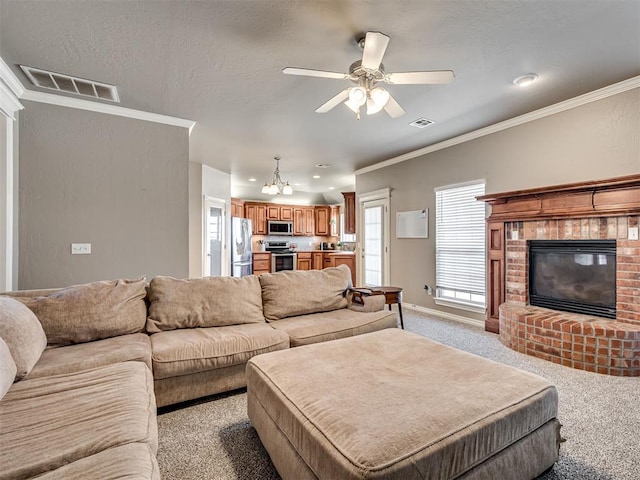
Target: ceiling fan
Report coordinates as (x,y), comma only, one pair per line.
(366,74)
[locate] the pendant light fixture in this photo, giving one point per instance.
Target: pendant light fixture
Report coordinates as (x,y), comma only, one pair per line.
(278,186)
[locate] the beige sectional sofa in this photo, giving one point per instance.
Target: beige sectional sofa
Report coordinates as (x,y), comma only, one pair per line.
(83,368)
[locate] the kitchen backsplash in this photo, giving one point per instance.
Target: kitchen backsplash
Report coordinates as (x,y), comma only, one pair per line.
(301,243)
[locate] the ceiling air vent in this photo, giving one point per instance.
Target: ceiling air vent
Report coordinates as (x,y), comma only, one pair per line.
(69,84)
(421,123)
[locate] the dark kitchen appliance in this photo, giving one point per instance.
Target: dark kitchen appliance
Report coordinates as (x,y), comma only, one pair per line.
(277,227)
(282,257)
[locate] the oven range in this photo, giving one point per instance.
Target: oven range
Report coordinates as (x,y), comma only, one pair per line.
(282,257)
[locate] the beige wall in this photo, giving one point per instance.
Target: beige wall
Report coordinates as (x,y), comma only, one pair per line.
(594,141)
(117,183)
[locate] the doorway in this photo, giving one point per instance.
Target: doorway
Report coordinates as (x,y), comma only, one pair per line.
(214,235)
(374,221)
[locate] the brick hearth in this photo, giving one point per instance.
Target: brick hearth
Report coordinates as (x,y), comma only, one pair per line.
(579,341)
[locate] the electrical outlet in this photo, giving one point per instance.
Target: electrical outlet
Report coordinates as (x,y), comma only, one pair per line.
(633,233)
(80,249)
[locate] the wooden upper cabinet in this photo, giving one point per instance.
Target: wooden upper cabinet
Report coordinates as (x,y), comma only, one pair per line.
(349,212)
(279,212)
(257,213)
(286,213)
(273,212)
(298,221)
(237,208)
(322,217)
(309,221)
(334,221)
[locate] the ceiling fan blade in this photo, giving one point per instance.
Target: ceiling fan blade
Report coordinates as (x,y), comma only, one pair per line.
(434,76)
(314,73)
(338,99)
(393,108)
(375,44)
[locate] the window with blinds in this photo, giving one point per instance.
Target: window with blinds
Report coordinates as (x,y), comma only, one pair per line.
(460,245)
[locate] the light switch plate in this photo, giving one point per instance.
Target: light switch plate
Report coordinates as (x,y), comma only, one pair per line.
(633,233)
(80,248)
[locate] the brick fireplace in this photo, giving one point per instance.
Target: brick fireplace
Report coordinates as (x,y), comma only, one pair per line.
(595,211)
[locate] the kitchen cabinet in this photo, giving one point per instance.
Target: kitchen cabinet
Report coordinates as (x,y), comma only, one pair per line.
(303,221)
(257,213)
(316,260)
(334,221)
(280,212)
(261,263)
(349,212)
(237,208)
(273,212)
(304,261)
(322,217)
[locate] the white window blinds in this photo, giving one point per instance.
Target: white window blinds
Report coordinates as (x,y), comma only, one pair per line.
(460,244)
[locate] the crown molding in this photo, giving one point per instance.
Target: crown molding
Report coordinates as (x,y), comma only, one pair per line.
(81,104)
(10,91)
(590,97)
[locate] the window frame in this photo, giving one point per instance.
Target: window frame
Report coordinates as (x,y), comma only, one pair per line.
(469,299)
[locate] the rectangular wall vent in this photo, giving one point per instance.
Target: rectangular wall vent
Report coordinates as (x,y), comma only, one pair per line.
(422,122)
(69,84)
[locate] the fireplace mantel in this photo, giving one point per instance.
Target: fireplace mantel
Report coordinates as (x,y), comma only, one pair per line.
(596,209)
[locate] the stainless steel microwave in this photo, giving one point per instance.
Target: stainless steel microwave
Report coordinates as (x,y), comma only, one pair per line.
(277,227)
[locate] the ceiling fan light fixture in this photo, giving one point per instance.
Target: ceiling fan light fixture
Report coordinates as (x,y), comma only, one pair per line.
(373,107)
(378,98)
(358,96)
(352,105)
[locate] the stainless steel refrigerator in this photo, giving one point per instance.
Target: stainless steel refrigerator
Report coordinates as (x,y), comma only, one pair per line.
(241,257)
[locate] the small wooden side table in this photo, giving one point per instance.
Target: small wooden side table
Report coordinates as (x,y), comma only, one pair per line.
(392,295)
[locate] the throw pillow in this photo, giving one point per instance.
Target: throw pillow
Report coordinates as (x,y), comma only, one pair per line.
(298,292)
(22,332)
(203,302)
(83,313)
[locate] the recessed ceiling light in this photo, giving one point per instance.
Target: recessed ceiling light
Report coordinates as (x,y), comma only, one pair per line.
(525,80)
(316,176)
(252,179)
(332,188)
(322,165)
(297,184)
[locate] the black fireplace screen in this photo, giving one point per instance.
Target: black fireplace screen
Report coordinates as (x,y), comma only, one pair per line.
(574,276)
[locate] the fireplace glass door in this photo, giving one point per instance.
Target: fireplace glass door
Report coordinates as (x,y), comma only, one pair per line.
(574,275)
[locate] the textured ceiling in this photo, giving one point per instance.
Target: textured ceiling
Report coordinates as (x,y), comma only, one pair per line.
(219,63)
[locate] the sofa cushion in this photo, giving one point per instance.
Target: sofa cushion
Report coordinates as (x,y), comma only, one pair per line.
(82,313)
(291,293)
(22,331)
(321,327)
(7,369)
(203,302)
(130,461)
(187,351)
(50,422)
(85,356)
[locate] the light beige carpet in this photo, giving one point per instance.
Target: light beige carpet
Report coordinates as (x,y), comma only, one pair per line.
(212,438)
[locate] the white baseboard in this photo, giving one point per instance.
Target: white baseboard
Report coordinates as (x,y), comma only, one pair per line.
(448,316)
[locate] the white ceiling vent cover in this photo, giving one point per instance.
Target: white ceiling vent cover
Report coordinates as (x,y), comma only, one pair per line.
(69,84)
(422,122)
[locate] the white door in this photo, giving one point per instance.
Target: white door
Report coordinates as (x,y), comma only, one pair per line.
(374,248)
(214,235)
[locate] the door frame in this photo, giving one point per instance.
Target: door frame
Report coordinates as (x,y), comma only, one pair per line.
(220,203)
(383,195)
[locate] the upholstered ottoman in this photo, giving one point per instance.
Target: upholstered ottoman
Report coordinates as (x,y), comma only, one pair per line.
(394,405)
